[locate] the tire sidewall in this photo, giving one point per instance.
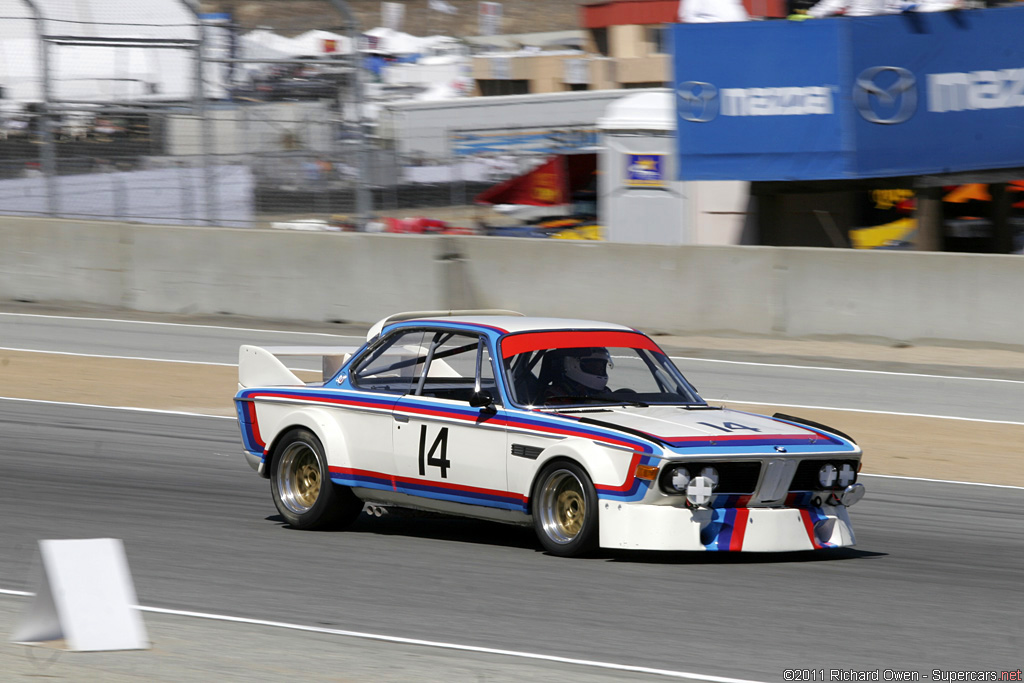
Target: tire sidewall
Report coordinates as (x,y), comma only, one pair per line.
(586,540)
(313,517)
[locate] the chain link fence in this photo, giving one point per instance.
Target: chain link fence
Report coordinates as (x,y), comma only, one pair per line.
(151,112)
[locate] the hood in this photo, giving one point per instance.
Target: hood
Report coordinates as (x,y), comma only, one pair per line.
(675,426)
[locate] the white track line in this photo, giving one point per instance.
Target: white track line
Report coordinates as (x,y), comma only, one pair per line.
(715,400)
(360,337)
(430,643)
(710,400)
(124,408)
(834,369)
(227,417)
(861,410)
(142,358)
(943,481)
(152,322)
(102,355)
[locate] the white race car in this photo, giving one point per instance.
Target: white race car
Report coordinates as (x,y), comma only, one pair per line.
(586,430)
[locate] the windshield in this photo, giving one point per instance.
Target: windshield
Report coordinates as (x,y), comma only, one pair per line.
(591,368)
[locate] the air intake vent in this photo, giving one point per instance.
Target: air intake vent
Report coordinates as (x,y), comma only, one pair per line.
(528,452)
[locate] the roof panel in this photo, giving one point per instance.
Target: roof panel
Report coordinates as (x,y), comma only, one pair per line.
(524,324)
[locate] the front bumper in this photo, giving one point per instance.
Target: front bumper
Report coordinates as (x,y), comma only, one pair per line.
(661,527)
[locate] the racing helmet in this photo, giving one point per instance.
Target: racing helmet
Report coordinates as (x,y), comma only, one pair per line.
(589,367)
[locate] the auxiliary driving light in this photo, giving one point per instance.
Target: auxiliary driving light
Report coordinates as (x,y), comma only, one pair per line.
(698,492)
(827,475)
(680,479)
(852,494)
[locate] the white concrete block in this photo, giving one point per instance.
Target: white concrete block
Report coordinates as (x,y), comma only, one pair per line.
(86,596)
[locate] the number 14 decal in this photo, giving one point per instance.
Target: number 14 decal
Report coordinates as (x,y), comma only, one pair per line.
(729,426)
(427,457)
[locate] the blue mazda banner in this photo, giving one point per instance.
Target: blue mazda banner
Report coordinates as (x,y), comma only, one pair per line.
(850,97)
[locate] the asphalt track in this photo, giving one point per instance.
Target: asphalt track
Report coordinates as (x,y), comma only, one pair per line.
(934,582)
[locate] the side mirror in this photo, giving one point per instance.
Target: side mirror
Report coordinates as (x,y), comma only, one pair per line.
(482,399)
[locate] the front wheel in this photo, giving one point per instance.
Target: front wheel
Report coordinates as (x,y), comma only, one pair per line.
(302,488)
(565,510)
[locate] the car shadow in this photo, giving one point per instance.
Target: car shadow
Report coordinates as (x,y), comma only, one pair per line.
(700,558)
(441,527)
(437,526)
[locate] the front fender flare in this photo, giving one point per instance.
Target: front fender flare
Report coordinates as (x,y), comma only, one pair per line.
(611,469)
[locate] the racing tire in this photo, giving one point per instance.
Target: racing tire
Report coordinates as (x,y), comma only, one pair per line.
(565,510)
(302,488)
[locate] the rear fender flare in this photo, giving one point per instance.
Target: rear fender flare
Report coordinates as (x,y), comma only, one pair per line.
(331,436)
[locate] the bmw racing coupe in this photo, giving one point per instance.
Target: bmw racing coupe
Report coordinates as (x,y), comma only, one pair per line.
(585,430)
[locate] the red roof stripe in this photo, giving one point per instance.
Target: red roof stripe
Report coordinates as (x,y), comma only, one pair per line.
(574,339)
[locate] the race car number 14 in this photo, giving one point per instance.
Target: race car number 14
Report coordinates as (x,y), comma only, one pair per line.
(428,458)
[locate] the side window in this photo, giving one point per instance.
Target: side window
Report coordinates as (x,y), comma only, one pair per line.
(395,366)
(453,366)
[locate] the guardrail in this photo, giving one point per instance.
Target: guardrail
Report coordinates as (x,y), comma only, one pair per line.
(318,276)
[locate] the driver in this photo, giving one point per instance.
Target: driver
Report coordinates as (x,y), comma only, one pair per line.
(584,372)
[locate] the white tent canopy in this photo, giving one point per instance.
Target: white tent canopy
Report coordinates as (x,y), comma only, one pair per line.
(394,42)
(154,61)
(265,44)
(315,43)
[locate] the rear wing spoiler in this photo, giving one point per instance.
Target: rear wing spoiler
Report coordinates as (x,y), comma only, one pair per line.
(261,366)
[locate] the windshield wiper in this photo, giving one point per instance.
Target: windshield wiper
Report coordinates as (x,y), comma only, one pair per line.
(557,401)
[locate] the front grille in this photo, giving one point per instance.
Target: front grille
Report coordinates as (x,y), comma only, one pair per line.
(806,477)
(733,477)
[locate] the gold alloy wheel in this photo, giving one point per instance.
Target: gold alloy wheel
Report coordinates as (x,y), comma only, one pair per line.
(569,513)
(562,506)
(300,477)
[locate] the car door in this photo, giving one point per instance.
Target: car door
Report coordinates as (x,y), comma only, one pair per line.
(384,374)
(446,449)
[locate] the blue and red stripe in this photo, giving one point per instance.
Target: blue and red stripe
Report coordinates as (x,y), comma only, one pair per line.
(727,529)
(251,439)
(438,490)
(811,516)
(730,501)
(735,440)
(560,425)
(633,488)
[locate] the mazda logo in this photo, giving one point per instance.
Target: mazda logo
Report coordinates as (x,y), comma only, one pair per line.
(885,94)
(698,101)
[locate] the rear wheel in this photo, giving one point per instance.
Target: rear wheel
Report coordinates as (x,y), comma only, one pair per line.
(565,510)
(302,489)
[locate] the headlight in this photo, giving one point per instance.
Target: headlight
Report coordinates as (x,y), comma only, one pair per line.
(680,479)
(847,475)
(827,475)
(711,473)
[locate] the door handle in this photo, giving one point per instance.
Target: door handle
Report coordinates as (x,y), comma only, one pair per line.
(400,418)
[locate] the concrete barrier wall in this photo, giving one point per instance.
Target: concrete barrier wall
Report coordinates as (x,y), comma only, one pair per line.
(362,277)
